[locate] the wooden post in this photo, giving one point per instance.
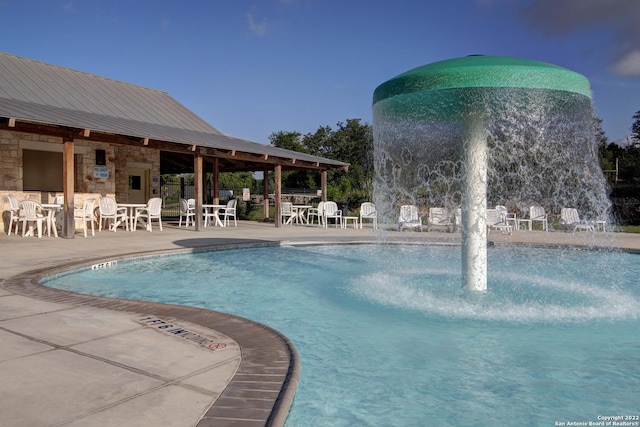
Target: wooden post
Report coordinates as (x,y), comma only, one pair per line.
(68,180)
(323,184)
(216,181)
(205,196)
(278,190)
(265,194)
(197,183)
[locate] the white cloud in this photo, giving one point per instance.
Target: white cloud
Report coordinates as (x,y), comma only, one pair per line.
(628,65)
(259,29)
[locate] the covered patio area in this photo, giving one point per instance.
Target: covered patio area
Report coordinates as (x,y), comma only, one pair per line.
(69,133)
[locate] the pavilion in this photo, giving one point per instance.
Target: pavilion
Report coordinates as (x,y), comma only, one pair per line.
(67,132)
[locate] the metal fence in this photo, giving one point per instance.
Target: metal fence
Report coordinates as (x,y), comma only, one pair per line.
(174,188)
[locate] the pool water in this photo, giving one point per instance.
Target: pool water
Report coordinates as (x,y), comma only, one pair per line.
(387,336)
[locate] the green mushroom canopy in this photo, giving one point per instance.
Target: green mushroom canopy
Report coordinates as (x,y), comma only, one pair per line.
(443,90)
(479,71)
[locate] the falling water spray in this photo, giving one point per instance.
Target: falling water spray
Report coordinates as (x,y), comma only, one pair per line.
(478,131)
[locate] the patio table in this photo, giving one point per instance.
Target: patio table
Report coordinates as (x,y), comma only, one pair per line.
(131,209)
(51,209)
(301,213)
(345,221)
(214,213)
(525,222)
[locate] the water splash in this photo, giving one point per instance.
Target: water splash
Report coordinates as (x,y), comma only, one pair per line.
(532,299)
(541,150)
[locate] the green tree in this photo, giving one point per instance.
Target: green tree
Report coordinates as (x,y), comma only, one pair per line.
(635,128)
(288,141)
(350,142)
(628,158)
(606,153)
(293,141)
(236,180)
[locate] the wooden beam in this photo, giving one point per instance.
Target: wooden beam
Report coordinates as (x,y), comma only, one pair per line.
(277,195)
(68,224)
(86,133)
(197,182)
(12,122)
(265,194)
(216,181)
(145,141)
(261,159)
(205,196)
(323,184)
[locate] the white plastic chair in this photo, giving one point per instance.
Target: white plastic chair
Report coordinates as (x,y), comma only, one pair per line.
(507,217)
(187,211)
(110,212)
(59,213)
(440,218)
(287,213)
(368,211)
(409,217)
(229,212)
(570,218)
(330,211)
(457,220)
(85,214)
(316,212)
(537,214)
(495,221)
(32,212)
(14,214)
(152,211)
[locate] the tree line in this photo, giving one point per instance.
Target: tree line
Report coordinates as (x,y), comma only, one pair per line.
(350,142)
(625,160)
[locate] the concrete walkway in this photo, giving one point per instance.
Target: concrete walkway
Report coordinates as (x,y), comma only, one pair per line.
(73,360)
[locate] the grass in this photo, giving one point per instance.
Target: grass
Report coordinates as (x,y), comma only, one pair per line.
(629,228)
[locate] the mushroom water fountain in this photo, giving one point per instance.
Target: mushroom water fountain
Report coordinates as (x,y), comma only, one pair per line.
(475,130)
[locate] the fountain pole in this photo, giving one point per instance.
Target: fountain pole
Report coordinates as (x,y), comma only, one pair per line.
(474,204)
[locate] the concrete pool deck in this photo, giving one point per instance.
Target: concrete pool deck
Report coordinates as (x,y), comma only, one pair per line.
(74,360)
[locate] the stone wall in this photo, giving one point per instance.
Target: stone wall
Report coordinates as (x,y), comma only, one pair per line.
(10,161)
(89,183)
(125,155)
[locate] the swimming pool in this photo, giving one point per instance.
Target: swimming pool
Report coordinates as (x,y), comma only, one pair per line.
(387,337)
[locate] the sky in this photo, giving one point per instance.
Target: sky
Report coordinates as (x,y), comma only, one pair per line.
(254,67)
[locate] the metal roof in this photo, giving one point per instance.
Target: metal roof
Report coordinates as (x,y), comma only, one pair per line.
(38,92)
